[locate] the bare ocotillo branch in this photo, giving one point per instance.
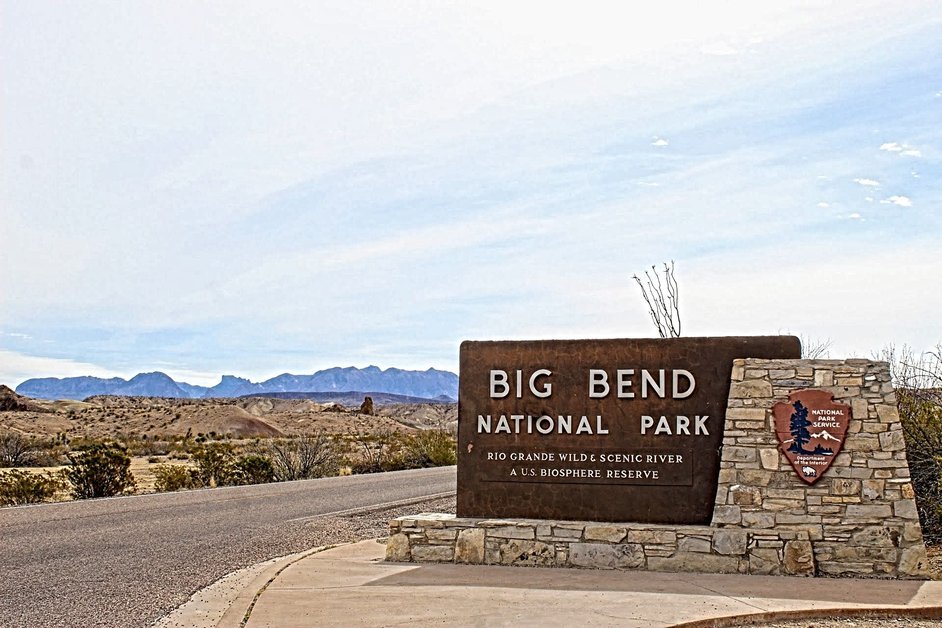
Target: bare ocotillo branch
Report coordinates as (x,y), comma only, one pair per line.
(662,298)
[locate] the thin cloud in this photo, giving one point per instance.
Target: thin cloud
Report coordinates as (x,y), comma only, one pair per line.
(868,182)
(823,204)
(660,141)
(16,367)
(719,49)
(855,216)
(900,149)
(902,201)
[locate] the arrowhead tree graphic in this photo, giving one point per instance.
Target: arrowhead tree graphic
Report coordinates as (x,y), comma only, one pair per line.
(811,427)
(799,428)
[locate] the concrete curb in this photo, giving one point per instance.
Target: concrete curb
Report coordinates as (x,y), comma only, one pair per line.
(228,602)
(758,619)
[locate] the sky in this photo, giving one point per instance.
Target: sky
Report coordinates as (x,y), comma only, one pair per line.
(255,188)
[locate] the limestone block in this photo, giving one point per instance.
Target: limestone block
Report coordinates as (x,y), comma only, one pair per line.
(567,533)
(398,549)
(913,562)
(769,458)
(859,409)
(853,554)
(693,544)
(874,511)
(888,413)
(441,535)
(799,558)
(726,515)
(750,389)
(511,532)
(872,489)
(739,454)
(912,532)
(845,486)
(730,542)
(697,563)
(906,491)
(745,495)
(529,553)
(433,553)
(872,536)
(611,534)
(604,556)
(755,477)
(652,537)
(863,442)
(841,568)
(765,561)
(746,414)
(905,509)
(760,520)
(823,377)
(469,547)
(892,441)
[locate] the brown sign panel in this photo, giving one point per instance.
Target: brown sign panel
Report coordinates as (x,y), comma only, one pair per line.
(811,428)
(603,430)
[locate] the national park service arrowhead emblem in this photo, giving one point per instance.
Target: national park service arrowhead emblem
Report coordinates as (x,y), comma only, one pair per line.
(811,427)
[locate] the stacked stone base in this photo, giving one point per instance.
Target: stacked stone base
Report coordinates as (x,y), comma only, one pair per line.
(442,538)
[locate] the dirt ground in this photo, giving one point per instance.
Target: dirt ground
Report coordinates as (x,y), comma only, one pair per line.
(110,417)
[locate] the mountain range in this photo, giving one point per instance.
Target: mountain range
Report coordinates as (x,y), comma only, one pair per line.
(429,384)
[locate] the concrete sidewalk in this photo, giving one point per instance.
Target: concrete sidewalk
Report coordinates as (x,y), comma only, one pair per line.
(350,585)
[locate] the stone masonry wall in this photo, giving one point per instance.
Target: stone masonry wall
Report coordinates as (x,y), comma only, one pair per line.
(859,519)
(861,515)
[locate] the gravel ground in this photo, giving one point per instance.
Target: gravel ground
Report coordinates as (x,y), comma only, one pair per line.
(857,622)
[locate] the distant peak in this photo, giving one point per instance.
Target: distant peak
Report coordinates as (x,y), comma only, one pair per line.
(233,378)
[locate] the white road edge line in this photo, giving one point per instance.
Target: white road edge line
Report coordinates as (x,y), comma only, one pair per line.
(375,507)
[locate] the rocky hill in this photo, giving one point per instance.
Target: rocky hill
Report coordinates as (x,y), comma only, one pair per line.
(428,384)
(12,402)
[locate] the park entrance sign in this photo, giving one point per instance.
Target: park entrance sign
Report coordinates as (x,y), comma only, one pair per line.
(598,430)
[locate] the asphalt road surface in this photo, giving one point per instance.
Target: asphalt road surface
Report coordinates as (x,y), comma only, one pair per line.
(127,561)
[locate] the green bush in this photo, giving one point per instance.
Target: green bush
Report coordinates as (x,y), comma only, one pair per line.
(918,381)
(922,426)
(251,469)
(213,464)
(431,448)
(389,451)
(100,470)
(21,487)
(172,477)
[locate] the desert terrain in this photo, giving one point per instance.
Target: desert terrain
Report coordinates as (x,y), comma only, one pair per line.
(155,417)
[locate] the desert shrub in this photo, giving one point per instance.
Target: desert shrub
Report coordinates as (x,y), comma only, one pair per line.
(392,451)
(21,487)
(172,477)
(16,450)
(430,448)
(251,469)
(918,381)
(922,427)
(302,458)
(375,454)
(213,463)
(101,470)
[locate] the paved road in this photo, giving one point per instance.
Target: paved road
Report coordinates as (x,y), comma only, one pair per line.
(127,561)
